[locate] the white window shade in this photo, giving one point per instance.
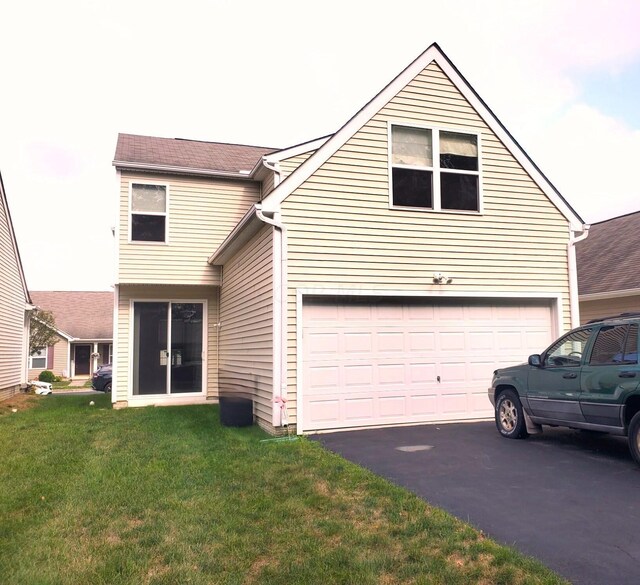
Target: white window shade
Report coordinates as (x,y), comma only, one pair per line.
(412,146)
(460,144)
(149,198)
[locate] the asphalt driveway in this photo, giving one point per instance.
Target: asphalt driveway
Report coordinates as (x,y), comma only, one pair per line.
(570,499)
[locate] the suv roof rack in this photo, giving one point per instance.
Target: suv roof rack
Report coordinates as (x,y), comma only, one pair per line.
(620,316)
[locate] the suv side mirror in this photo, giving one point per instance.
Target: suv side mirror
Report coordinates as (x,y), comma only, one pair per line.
(534,360)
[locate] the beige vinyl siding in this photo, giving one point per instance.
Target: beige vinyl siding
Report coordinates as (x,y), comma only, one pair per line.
(288,165)
(123,356)
(60,365)
(201,213)
(246,335)
(600,308)
(12,312)
(342,233)
(268,184)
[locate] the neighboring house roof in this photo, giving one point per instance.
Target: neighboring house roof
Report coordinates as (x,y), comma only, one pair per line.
(608,259)
(79,314)
(187,156)
(4,204)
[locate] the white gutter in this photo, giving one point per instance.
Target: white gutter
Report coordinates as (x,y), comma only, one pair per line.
(574,305)
(278,413)
(240,174)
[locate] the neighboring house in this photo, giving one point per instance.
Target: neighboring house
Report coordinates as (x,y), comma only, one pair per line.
(608,260)
(84,326)
(15,306)
(373,277)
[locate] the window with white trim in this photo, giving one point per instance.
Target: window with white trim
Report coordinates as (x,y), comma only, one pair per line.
(148,213)
(38,360)
(434,169)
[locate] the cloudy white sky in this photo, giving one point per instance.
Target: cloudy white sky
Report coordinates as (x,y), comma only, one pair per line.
(563,76)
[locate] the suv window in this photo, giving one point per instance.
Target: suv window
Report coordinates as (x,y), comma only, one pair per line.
(615,344)
(567,352)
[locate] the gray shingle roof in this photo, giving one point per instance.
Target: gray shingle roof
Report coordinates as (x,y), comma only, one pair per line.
(187,154)
(83,315)
(609,258)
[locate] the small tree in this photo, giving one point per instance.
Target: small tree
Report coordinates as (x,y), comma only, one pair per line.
(42,330)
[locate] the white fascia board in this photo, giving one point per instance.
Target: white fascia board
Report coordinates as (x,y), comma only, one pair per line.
(279,155)
(296,149)
(245,229)
(147,167)
(432,54)
(614,294)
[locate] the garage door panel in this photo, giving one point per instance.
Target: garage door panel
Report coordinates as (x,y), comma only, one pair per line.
(393,406)
(358,342)
(421,341)
(424,406)
(377,362)
(359,409)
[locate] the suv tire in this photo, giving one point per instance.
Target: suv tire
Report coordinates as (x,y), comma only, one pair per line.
(634,437)
(510,416)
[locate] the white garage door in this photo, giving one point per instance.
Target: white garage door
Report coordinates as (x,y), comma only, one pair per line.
(392,361)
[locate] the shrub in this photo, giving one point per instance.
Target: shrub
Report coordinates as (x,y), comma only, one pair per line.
(47,376)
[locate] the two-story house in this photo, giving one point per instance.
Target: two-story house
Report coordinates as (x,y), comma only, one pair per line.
(15,306)
(372,277)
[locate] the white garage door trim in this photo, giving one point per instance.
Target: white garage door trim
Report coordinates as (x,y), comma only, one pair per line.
(555,301)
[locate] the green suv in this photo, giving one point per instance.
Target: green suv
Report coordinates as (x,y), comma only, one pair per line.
(588,379)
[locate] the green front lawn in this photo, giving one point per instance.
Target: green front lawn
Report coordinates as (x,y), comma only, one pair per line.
(168,496)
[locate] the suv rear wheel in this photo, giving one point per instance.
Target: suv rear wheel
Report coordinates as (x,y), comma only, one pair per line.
(510,416)
(634,437)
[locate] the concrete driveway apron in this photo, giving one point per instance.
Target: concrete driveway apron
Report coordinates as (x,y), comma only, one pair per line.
(569,499)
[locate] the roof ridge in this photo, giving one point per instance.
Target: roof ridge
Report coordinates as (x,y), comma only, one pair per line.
(616,217)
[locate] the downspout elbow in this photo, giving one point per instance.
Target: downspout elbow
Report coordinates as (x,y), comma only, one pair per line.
(275,167)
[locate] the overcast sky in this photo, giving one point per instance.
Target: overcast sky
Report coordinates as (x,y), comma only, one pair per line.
(563,76)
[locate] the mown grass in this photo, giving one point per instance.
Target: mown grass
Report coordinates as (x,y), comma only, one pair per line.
(168,496)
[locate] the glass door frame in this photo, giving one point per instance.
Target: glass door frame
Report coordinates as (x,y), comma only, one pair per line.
(167,394)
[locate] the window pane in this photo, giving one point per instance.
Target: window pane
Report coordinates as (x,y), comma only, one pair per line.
(631,347)
(37,363)
(149,348)
(412,146)
(148,228)
(186,347)
(412,188)
(149,198)
(607,348)
(458,151)
(568,351)
(459,191)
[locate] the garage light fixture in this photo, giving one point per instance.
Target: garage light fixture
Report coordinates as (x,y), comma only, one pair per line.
(439,278)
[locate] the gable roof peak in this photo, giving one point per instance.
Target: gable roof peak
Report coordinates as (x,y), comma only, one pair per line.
(433,53)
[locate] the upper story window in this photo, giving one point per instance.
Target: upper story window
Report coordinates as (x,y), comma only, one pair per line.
(434,169)
(148,212)
(38,360)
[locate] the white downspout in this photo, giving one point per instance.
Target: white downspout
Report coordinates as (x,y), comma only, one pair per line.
(574,305)
(279,417)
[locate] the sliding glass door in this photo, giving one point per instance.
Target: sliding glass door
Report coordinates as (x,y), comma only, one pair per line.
(167,347)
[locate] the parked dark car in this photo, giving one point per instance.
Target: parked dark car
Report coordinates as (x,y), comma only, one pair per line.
(588,379)
(101,379)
